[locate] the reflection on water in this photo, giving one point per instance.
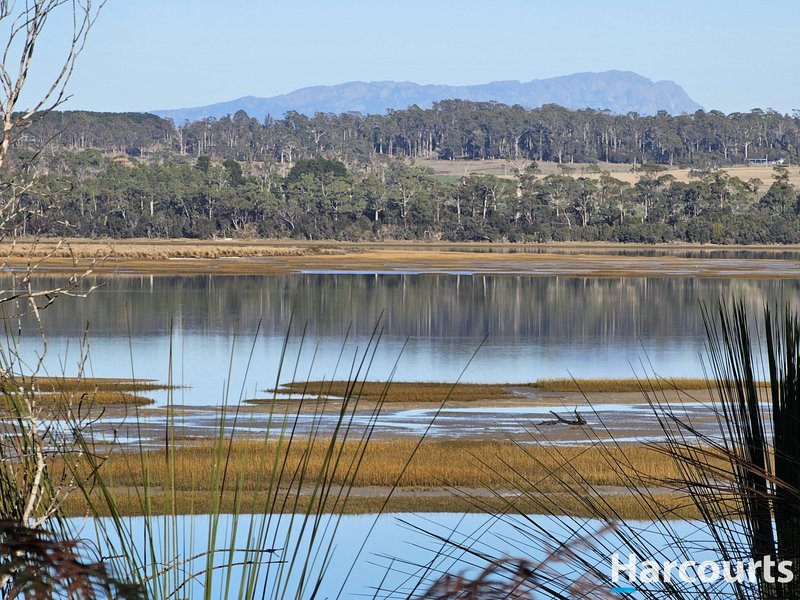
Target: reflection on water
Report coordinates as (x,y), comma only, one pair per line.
(530,328)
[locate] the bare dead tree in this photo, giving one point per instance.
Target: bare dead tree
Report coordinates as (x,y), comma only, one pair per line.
(22,24)
(39,463)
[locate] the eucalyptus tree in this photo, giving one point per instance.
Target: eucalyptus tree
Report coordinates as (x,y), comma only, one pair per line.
(558,192)
(781,196)
(649,192)
(586,199)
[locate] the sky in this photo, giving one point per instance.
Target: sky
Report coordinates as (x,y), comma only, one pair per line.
(143,55)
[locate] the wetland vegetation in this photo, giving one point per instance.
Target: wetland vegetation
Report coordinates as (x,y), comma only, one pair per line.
(204,494)
(88,391)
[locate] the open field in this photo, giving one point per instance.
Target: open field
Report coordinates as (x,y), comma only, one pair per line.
(442,475)
(623,172)
(181,257)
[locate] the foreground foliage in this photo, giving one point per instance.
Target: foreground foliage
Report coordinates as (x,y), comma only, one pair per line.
(742,480)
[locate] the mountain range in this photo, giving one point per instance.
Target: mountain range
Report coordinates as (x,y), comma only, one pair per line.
(619,92)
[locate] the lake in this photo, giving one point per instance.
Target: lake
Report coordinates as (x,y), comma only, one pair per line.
(401,555)
(226,333)
(223,337)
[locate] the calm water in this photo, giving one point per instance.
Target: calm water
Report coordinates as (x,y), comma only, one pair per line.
(522,328)
(210,327)
(403,554)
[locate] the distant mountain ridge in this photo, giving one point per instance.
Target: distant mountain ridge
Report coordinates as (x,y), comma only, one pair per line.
(620,92)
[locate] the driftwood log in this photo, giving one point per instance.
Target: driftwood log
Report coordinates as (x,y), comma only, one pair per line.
(559,420)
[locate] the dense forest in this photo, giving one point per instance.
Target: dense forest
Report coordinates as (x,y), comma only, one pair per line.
(452,129)
(356,177)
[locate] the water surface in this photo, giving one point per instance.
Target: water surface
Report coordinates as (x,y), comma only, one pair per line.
(401,555)
(224,335)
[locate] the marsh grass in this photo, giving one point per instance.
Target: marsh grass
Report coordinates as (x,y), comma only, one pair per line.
(168,249)
(81,384)
(92,399)
(628,385)
(434,477)
(435,463)
(273,257)
(273,506)
(400,391)
(424,392)
(740,482)
(86,391)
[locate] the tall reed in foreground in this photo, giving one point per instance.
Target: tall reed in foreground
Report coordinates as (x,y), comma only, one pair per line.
(743,479)
(310,453)
(282,549)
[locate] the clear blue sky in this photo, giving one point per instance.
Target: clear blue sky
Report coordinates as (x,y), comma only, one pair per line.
(730,55)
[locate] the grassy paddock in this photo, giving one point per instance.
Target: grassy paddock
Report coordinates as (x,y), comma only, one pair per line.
(456,169)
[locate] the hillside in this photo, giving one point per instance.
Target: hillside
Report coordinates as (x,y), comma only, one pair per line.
(619,92)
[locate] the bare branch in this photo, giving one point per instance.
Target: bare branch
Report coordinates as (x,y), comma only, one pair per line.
(24,30)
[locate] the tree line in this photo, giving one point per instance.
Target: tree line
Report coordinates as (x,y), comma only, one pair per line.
(450,130)
(90,193)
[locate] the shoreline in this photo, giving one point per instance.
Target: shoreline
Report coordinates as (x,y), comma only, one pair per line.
(285,257)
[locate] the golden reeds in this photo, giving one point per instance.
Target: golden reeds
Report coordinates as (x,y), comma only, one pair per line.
(478,469)
(398,391)
(86,391)
(276,257)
